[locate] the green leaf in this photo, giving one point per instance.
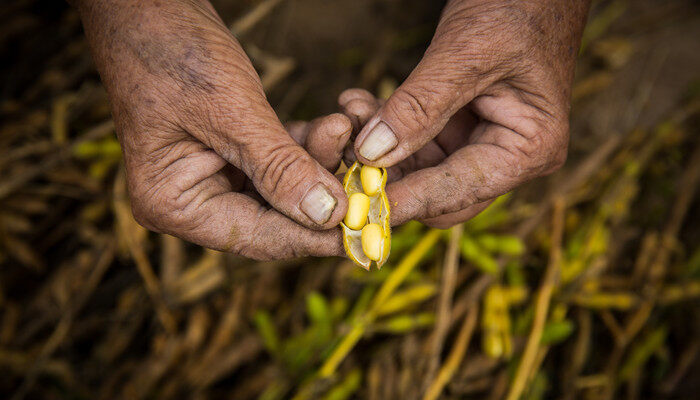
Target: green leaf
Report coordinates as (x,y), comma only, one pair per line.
(403,324)
(362,303)
(510,245)
(406,298)
(268,332)
(557,331)
(318,310)
(494,215)
(347,387)
(472,251)
(641,352)
(514,273)
(489,242)
(339,306)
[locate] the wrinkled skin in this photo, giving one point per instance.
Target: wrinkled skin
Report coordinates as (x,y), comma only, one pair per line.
(207,159)
(485,110)
(205,154)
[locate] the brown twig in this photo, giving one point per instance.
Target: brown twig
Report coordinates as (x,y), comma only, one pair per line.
(244,24)
(62,329)
(544,295)
(579,353)
(444,309)
(10,185)
(138,253)
(456,355)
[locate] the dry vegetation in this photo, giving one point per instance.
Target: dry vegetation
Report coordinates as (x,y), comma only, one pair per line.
(582,285)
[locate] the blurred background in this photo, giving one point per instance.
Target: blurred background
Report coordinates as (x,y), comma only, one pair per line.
(584,284)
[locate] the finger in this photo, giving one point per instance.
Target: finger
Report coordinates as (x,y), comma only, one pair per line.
(326,139)
(359,105)
(351,94)
(191,198)
(292,181)
(448,220)
(283,173)
(497,160)
(349,155)
(441,84)
(453,136)
(298,130)
(238,224)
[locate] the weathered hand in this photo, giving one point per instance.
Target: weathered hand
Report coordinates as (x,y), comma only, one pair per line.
(485,110)
(204,151)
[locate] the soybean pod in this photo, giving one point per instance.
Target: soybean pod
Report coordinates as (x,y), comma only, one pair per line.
(366,229)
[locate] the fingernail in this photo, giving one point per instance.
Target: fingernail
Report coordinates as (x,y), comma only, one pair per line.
(318,204)
(380,141)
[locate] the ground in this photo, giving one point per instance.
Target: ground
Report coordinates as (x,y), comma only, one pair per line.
(592,272)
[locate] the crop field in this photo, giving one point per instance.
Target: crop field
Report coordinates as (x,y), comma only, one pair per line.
(584,284)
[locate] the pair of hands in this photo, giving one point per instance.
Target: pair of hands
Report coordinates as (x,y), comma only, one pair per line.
(208,160)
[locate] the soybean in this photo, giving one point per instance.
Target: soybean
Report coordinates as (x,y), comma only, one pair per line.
(371,178)
(372,241)
(358,209)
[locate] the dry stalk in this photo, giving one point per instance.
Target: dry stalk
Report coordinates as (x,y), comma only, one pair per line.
(544,296)
(456,355)
(444,310)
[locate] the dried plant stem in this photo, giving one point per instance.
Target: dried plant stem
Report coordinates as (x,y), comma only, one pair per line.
(444,310)
(138,253)
(404,268)
(388,288)
(257,14)
(657,268)
(456,355)
(62,329)
(17,181)
(579,353)
(542,302)
(172,260)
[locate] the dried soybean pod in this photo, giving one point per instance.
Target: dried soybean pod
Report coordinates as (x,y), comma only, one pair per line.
(378,214)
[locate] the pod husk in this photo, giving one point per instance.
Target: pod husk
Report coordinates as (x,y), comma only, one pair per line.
(379,213)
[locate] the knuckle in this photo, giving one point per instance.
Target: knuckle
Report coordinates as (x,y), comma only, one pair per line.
(262,240)
(140,208)
(159,206)
(556,148)
(354,94)
(413,107)
(558,160)
(545,149)
(283,169)
(359,111)
(245,247)
(141,214)
(334,125)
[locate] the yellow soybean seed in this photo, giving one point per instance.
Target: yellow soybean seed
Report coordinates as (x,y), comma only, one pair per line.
(372,241)
(358,208)
(371,178)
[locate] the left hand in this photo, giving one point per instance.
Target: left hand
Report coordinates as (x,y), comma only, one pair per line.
(485,110)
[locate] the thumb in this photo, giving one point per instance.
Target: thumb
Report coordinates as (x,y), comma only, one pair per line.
(419,109)
(283,173)
(292,181)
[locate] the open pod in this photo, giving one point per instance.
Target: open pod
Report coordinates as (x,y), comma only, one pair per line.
(377,243)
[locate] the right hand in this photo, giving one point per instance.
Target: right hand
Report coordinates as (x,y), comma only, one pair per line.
(204,151)
(360,105)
